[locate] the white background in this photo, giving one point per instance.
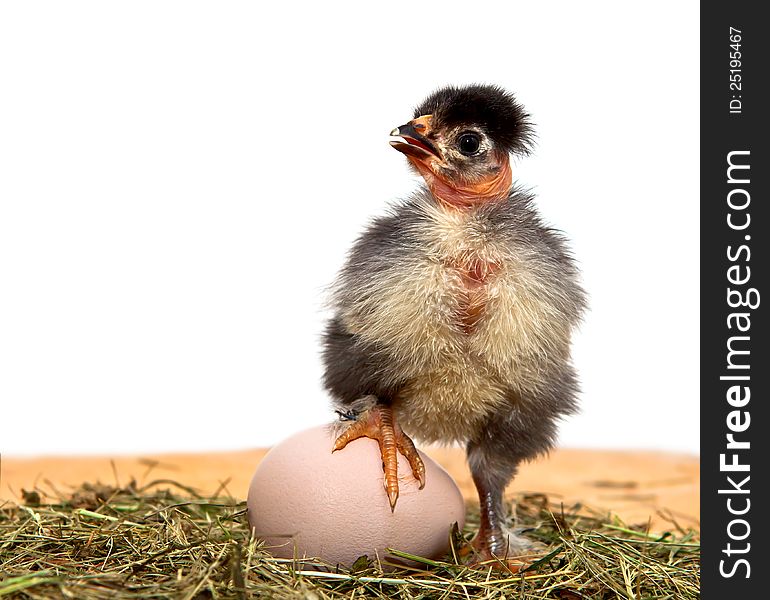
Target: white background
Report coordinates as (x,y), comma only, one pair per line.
(179,181)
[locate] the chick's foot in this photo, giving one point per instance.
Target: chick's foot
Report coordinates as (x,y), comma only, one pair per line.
(378,424)
(500,545)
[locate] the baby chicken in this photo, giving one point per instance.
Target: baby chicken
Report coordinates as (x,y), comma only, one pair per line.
(454,311)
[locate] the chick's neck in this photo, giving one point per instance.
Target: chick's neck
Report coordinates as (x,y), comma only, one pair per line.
(459,195)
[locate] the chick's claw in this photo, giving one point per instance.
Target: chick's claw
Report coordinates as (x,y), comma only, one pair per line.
(406,447)
(377,424)
(505,548)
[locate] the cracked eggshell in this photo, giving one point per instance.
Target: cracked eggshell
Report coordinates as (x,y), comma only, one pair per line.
(305,501)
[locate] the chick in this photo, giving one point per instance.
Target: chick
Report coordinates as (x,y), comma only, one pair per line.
(453,313)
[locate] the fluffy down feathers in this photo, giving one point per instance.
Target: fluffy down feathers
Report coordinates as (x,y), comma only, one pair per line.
(401,299)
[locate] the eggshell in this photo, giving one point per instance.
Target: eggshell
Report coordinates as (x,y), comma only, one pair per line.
(306,501)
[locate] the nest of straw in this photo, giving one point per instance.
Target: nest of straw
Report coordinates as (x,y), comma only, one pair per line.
(163,540)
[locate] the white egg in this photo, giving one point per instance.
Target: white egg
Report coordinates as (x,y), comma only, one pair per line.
(305,501)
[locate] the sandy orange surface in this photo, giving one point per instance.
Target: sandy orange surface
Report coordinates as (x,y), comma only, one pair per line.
(637,486)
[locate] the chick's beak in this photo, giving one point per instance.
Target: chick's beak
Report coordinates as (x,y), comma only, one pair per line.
(412,140)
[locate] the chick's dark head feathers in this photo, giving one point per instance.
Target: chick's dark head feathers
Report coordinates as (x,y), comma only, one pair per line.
(460,141)
(490,107)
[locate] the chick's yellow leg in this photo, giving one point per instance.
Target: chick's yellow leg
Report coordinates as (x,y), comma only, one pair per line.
(378,424)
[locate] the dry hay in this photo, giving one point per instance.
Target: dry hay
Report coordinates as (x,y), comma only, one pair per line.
(163,540)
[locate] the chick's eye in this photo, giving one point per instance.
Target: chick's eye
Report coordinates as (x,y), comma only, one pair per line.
(469,143)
